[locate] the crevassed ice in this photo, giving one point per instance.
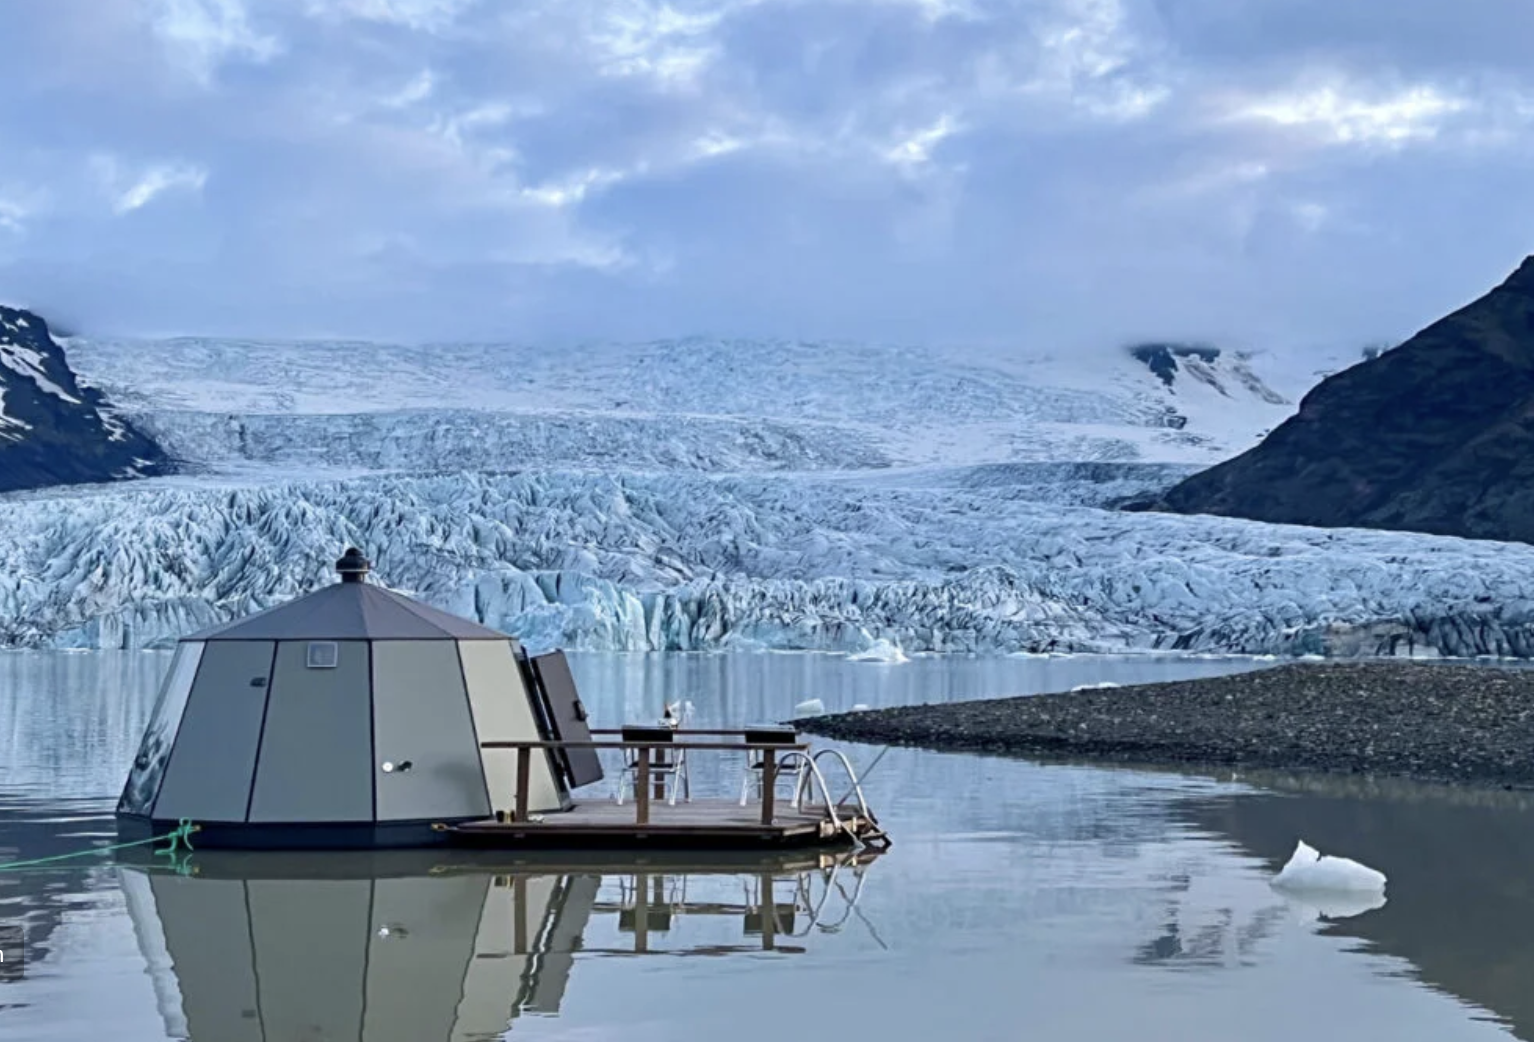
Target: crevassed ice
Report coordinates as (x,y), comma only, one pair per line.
(690,562)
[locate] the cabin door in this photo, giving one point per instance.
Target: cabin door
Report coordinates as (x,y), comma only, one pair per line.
(566,717)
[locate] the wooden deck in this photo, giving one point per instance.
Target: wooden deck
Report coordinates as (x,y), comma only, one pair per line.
(647,821)
(701,824)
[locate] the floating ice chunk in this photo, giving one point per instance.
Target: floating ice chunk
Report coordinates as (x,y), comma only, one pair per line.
(810,707)
(880,651)
(1095,687)
(860,707)
(1309,872)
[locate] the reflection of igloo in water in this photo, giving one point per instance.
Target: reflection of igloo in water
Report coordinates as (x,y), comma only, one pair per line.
(398,946)
(327,952)
(352,716)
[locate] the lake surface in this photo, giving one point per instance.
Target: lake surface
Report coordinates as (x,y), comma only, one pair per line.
(1019,900)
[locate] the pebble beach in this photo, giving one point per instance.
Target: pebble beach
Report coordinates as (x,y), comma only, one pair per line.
(1457,724)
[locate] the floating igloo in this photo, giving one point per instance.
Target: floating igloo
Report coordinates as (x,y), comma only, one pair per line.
(350,717)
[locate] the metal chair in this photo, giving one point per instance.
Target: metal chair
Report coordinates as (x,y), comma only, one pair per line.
(756,758)
(668,767)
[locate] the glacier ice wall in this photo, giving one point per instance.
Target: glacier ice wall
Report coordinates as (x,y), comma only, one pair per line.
(691,562)
(454,440)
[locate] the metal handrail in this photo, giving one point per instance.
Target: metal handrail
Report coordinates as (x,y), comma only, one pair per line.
(857,787)
(809,762)
(831,807)
(852,776)
(813,762)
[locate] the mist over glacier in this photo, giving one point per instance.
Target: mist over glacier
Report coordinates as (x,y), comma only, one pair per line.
(701,494)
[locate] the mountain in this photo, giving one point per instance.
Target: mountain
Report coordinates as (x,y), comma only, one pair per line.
(1436,436)
(56,429)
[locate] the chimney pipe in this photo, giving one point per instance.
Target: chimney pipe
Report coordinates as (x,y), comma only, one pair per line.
(353,566)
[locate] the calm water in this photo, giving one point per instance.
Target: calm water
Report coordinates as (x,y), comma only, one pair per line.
(1019,900)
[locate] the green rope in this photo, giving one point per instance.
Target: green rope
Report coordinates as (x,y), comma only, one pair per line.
(182,834)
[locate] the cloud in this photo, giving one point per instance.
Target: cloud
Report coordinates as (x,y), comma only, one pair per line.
(421,15)
(13,215)
(1341,115)
(204,33)
(129,191)
(1027,173)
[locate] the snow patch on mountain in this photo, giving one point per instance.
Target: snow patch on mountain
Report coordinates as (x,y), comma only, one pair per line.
(687,562)
(54,428)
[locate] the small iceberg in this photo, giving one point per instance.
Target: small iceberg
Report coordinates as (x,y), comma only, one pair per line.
(859,707)
(1310,873)
(810,707)
(880,651)
(1100,686)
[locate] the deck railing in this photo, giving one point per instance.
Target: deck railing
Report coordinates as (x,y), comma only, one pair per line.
(643,764)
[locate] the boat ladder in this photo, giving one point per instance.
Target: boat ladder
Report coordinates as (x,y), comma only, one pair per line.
(856,821)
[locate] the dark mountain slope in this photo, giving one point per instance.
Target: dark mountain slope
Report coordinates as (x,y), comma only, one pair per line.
(1434,436)
(54,430)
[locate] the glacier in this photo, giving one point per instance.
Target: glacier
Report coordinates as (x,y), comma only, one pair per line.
(702,495)
(695,403)
(689,562)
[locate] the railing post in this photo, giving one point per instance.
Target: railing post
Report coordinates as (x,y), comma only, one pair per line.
(769,783)
(642,789)
(524,780)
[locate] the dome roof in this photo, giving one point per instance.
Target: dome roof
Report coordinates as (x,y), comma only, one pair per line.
(351,609)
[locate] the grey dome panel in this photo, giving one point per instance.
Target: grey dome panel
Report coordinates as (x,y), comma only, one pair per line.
(421,715)
(350,611)
(209,773)
(143,785)
(316,761)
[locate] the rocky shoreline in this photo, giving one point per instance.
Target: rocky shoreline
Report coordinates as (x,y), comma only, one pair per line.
(1462,725)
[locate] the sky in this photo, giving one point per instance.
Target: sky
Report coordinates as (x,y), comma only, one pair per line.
(1021,174)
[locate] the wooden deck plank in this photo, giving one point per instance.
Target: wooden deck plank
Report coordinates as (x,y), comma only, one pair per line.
(701,823)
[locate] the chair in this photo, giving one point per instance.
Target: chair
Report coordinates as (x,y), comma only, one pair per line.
(667,766)
(756,759)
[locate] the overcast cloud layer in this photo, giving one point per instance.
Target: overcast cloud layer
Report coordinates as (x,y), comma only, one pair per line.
(1047,173)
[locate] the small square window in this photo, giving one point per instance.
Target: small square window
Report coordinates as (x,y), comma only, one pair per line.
(323,654)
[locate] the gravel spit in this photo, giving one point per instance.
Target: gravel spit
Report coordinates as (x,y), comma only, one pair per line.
(1454,724)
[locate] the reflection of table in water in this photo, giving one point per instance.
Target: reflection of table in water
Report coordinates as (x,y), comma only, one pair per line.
(257,948)
(650,904)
